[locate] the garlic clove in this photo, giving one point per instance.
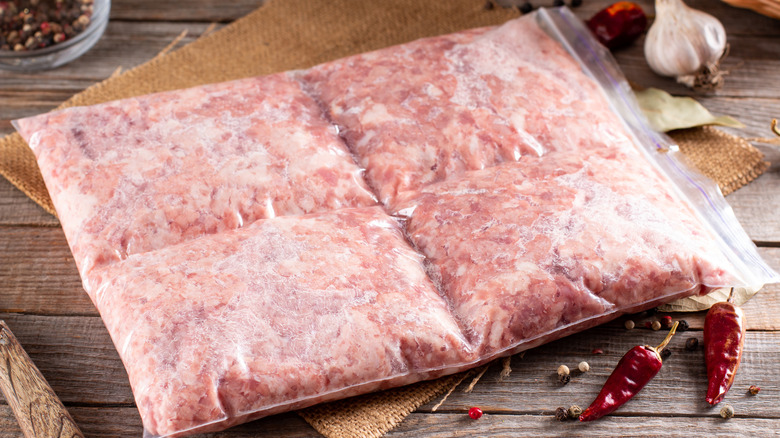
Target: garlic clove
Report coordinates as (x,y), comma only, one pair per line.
(686,44)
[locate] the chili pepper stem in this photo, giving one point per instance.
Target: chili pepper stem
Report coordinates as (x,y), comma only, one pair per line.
(668,338)
(730,299)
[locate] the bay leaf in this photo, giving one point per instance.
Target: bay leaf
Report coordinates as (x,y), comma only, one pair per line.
(666,112)
(699,303)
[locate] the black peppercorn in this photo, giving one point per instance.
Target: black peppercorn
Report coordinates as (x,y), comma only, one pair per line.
(526,7)
(692,344)
(665,353)
(683,326)
(576,3)
(31,24)
(561,414)
(565,379)
(557,3)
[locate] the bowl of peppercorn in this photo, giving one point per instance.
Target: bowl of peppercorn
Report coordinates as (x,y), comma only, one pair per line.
(44,34)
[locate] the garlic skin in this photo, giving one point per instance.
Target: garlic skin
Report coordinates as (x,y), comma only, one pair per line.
(686,44)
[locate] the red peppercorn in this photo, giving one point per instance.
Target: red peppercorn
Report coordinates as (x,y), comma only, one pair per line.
(475,413)
(666,321)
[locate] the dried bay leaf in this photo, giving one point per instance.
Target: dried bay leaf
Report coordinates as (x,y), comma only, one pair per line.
(698,303)
(666,112)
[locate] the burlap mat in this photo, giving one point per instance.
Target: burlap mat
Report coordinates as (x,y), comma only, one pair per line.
(291,34)
(373,415)
(729,160)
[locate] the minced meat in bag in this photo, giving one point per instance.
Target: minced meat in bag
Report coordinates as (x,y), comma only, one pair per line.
(266,244)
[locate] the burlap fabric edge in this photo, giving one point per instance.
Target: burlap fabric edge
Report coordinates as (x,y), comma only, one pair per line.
(373,415)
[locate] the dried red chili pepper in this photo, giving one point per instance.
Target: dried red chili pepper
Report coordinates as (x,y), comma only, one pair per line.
(724,339)
(619,24)
(635,369)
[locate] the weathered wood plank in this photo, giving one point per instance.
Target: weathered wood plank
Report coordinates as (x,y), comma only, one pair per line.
(112,422)
(116,422)
(125,44)
(38,274)
(751,62)
(756,204)
(191,10)
(737,21)
(755,112)
(761,312)
(17,209)
(459,425)
(75,353)
(678,389)
(77,358)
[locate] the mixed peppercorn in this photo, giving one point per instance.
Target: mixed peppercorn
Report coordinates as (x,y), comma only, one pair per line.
(35,24)
(724,332)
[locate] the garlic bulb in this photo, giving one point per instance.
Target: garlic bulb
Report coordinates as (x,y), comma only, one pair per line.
(686,44)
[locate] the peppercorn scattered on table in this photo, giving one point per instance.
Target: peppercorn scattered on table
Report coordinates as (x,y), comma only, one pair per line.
(42,300)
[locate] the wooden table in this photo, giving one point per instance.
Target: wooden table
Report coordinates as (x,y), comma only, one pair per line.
(42,300)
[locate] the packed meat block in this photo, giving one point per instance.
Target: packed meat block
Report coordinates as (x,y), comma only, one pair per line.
(525,249)
(427,110)
(243,267)
(279,315)
(144,173)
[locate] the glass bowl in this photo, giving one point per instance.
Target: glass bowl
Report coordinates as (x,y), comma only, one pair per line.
(62,53)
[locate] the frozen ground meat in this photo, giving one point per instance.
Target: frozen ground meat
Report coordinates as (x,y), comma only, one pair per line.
(144,173)
(525,249)
(279,315)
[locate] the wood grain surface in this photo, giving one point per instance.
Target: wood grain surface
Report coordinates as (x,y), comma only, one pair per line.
(34,404)
(42,301)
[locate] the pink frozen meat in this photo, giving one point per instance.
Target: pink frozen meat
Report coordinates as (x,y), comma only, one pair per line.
(525,249)
(279,315)
(143,173)
(425,111)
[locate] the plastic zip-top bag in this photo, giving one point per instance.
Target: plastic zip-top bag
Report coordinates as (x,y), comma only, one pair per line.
(231,239)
